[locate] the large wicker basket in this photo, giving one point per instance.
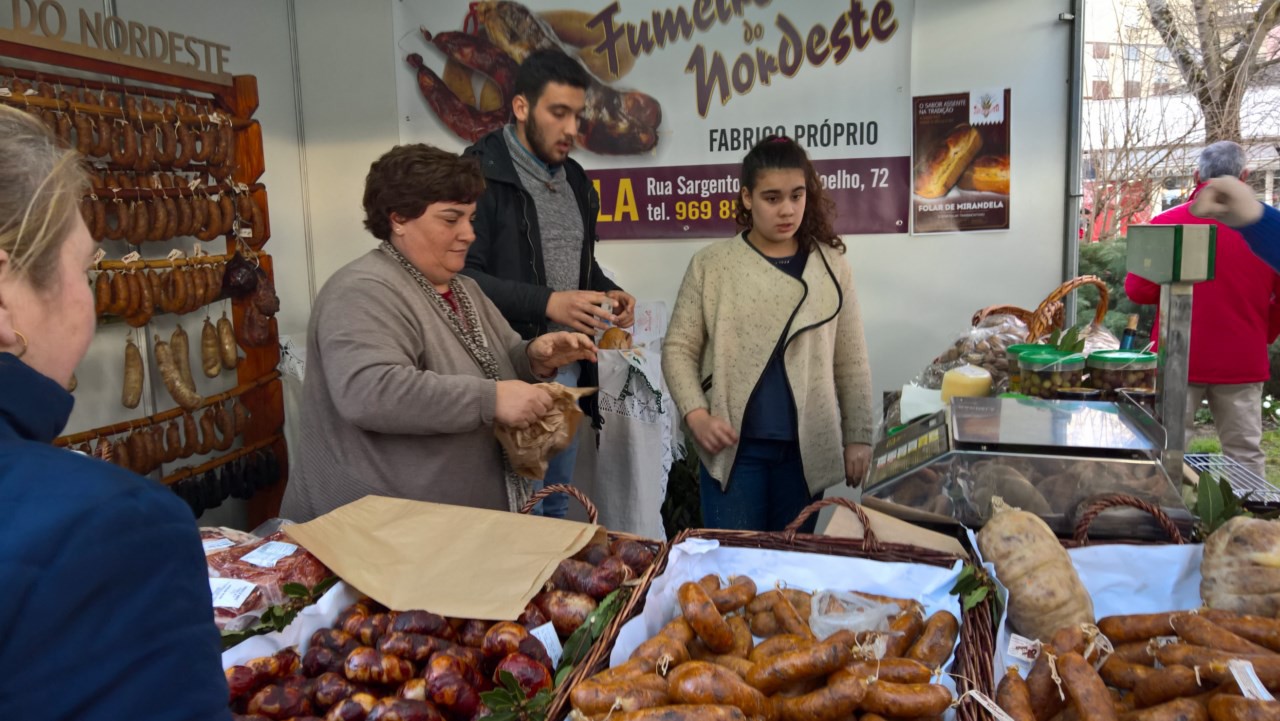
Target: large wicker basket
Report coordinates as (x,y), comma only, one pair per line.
(659,552)
(973,665)
(1049,314)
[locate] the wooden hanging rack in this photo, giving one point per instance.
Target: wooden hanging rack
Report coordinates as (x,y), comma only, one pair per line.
(168,415)
(211,464)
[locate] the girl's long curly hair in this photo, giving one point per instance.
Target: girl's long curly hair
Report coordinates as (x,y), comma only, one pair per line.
(782,153)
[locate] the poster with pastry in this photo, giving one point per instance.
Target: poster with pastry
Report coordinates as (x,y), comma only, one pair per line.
(961,162)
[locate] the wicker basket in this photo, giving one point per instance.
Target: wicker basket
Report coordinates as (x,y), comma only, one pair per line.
(659,549)
(1049,314)
(973,668)
(1041,321)
(1094,506)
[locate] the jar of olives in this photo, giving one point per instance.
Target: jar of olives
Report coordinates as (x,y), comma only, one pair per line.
(1015,373)
(1110,370)
(1045,372)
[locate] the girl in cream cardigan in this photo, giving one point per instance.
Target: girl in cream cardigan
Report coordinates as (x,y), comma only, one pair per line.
(765,355)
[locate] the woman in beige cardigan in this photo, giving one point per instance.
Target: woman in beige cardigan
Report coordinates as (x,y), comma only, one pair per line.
(765,356)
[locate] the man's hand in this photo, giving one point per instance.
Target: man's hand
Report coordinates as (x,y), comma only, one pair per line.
(579,310)
(712,433)
(624,308)
(857,458)
(521,404)
(1229,201)
(549,352)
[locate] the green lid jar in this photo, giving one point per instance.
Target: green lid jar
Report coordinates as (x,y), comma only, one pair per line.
(1015,373)
(1110,370)
(1045,372)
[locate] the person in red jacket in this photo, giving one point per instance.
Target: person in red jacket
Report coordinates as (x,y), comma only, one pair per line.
(1234,318)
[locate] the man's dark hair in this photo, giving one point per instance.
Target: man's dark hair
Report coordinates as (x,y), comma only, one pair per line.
(548,66)
(408,178)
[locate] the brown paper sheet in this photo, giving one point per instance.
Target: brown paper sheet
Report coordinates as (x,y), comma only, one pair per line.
(890,530)
(451,560)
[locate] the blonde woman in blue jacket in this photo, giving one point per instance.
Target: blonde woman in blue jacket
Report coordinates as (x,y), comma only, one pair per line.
(765,355)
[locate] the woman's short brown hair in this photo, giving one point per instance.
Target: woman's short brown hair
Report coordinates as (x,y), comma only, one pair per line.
(408,178)
(41,184)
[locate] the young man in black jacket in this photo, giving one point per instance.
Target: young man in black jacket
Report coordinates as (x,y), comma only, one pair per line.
(534,254)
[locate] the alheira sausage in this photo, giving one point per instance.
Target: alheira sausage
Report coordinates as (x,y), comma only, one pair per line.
(1136,627)
(1013,697)
(182,394)
(1165,684)
(897,670)
(1085,688)
(698,682)
(181,346)
(131,394)
(1182,709)
(789,618)
(737,594)
(819,659)
(897,700)
(210,361)
(742,640)
(1225,707)
(1123,674)
(936,641)
(1198,630)
(706,621)
(230,359)
(775,645)
(631,694)
(1260,630)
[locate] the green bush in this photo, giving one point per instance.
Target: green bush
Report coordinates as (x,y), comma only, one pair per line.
(1106,259)
(1204,445)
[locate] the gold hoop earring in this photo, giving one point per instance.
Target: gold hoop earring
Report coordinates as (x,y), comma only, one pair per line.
(22,338)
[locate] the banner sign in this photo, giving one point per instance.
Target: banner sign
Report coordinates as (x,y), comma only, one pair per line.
(679,94)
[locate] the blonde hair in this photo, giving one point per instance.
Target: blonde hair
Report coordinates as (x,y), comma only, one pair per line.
(41,183)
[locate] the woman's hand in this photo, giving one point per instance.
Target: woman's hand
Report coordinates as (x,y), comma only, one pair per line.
(521,404)
(713,434)
(857,458)
(553,350)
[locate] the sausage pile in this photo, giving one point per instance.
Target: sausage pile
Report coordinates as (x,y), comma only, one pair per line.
(705,665)
(380,665)
(1171,666)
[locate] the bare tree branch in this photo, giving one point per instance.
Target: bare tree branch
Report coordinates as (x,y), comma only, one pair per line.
(1166,25)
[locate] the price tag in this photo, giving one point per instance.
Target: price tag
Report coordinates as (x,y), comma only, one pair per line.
(546,633)
(268,554)
(99,255)
(176,254)
(245,233)
(1022,650)
(197,251)
(217,543)
(242,187)
(1250,685)
(996,712)
(195,183)
(230,592)
(133,257)
(6,93)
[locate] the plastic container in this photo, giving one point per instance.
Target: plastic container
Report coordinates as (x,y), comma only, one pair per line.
(1045,372)
(1078,394)
(1110,370)
(1015,373)
(1144,397)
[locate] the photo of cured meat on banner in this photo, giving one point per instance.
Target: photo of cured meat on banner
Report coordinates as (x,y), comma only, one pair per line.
(496,37)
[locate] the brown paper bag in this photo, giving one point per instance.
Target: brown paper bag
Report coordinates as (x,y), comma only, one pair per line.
(531,449)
